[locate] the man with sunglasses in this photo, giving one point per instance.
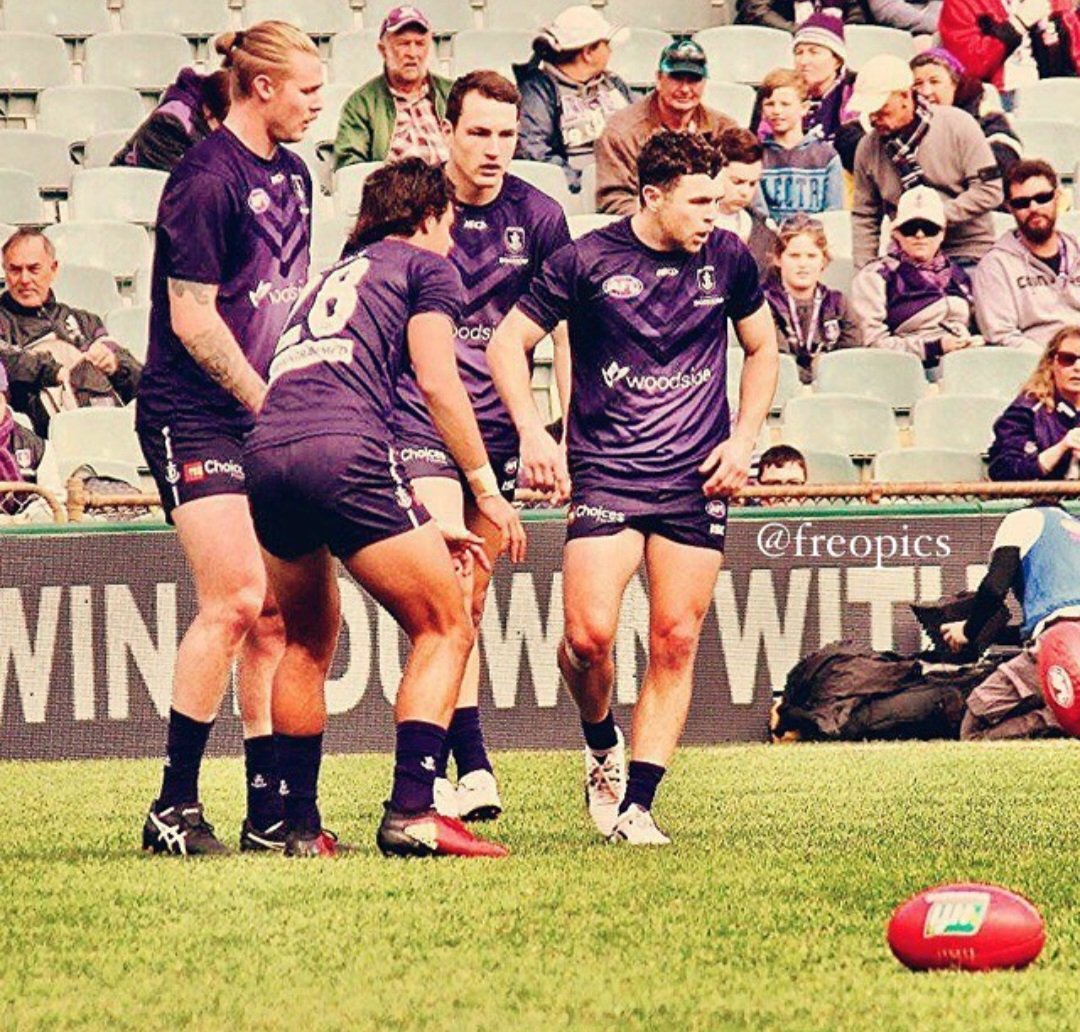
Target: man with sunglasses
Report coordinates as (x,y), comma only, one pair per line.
(1027,287)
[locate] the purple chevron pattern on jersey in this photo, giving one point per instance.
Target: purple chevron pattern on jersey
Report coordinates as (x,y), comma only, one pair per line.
(498,249)
(242,223)
(338,363)
(648,344)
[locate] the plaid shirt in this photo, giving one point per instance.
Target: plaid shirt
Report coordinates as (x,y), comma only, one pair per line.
(417,133)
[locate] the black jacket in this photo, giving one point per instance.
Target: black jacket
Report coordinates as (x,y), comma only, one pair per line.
(780,14)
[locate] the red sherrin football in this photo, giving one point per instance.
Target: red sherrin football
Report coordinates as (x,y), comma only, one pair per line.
(1059,673)
(966,927)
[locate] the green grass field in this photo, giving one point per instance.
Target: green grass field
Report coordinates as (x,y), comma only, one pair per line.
(768,912)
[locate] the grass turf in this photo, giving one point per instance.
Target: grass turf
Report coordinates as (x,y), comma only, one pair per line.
(768,912)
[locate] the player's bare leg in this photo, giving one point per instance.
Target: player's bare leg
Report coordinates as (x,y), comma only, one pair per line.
(596,571)
(681,583)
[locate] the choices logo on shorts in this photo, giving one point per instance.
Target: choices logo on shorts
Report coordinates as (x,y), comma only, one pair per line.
(596,513)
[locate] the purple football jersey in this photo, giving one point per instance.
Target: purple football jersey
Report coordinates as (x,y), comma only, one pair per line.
(648,343)
(337,365)
(243,223)
(498,249)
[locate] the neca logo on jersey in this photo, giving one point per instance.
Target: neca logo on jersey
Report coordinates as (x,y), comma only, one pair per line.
(265,291)
(613,374)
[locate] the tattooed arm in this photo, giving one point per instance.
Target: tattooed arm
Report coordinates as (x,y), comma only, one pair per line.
(198,324)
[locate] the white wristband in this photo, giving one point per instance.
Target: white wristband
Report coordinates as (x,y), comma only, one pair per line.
(482,481)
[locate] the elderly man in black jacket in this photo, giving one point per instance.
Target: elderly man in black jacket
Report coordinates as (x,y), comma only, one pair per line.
(44,343)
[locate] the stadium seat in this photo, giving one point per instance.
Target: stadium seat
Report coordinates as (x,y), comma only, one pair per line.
(131,328)
(324,129)
(128,194)
(145,61)
(734,99)
(77,112)
(349,185)
(894,377)
(84,286)
(490,48)
(141,289)
(848,423)
(193,19)
(1058,95)
(839,273)
(101,148)
(866,41)
(328,236)
(119,247)
(100,437)
(1055,141)
(830,468)
(549,178)
(29,63)
(582,224)
(5,232)
(956,421)
(924,465)
(636,59)
(70,19)
(320,18)
(446,16)
(786,388)
(584,201)
(987,371)
(513,14)
(20,203)
(1069,222)
(745,53)
(44,156)
(837,225)
(354,58)
(681,16)
(1003,223)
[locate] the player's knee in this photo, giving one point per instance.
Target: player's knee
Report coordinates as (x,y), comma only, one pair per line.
(674,643)
(586,646)
(237,613)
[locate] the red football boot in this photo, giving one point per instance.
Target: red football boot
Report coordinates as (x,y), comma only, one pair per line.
(430,834)
(322,843)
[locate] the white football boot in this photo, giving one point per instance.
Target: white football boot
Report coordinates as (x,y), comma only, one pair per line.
(445,798)
(478,796)
(637,828)
(605,783)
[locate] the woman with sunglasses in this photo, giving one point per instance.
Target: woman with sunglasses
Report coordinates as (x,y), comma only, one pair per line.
(1038,436)
(915,299)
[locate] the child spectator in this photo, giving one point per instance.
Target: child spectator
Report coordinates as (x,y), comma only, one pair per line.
(802,174)
(810,317)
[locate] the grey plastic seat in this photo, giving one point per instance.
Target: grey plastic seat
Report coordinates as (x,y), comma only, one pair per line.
(734,99)
(512,14)
(102,147)
(830,468)
(119,247)
(88,287)
(446,16)
(956,421)
(866,41)
(580,224)
(127,194)
(77,112)
(637,58)
(987,371)
(349,185)
(354,57)
(839,273)
(848,423)
(1056,141)
(131,328)
(837,226)
(100,437)
(1058,95)
(20,203)
(491,48)
(894,377)
(29,63)
(926,465)
(70,19)
(546,177)
(324,129)
(745,53)
(322,18)
(193,19)
(44,156)
(787,385)
(673,15)
(145,61)
(328,236)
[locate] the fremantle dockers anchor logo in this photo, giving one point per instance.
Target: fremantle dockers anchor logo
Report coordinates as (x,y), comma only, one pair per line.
(514,239)
(706,278)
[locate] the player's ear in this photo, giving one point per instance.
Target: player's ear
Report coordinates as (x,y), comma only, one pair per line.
(446,127)
(262,86)
(651,197)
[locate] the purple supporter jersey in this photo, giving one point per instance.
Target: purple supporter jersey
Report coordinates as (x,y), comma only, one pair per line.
(498,249)
(648,344)
(337,366)
(243,223)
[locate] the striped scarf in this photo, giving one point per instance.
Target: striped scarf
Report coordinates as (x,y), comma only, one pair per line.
(901,147)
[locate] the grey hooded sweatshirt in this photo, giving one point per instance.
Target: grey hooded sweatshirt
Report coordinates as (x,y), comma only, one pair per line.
(1019,300)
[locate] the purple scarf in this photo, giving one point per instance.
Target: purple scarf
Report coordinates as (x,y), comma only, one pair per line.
(9,467)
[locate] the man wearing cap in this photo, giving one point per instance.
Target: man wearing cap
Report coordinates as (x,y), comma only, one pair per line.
(397,114)
(567,93)
(911,144)
(675,105)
